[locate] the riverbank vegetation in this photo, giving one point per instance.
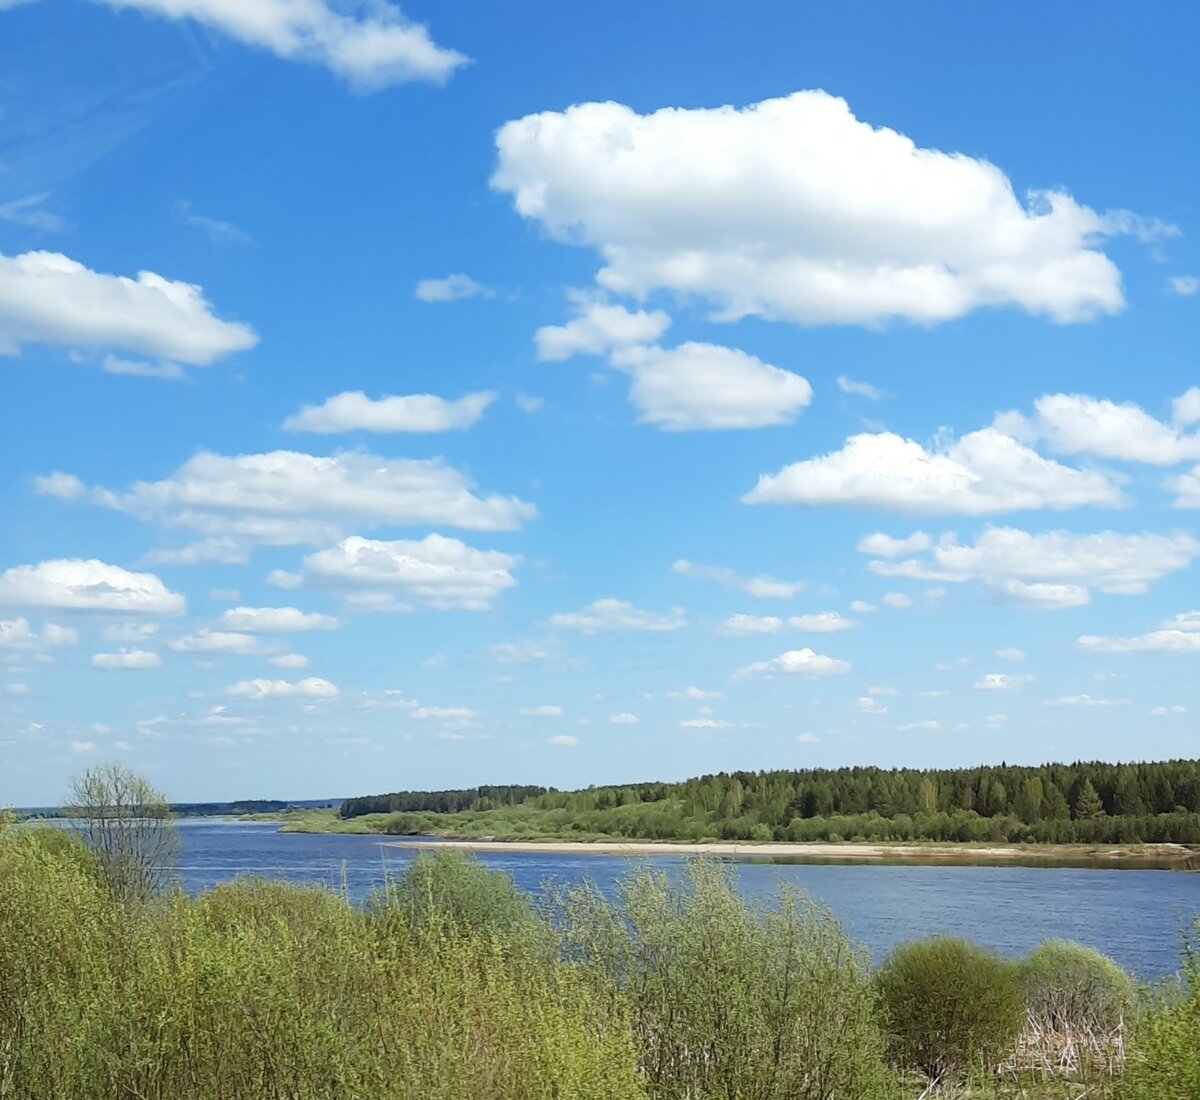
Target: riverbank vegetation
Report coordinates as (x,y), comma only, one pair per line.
(1082,803)
(452,982)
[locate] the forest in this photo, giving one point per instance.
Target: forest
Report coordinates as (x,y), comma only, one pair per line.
(1083,802)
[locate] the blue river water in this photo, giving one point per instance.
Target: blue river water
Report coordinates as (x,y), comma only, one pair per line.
(1135,916)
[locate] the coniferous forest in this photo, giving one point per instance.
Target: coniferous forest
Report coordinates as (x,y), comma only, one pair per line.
(1084,802)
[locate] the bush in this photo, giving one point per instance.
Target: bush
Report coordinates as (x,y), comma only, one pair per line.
(1070,988)
(950,1006)
(729,999)
(1163,1061)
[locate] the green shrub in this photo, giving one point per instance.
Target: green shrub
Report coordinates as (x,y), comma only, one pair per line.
(950,1006)
(728,999)
(1071,988)
(1163,1061)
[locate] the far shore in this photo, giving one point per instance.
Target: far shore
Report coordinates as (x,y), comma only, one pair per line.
(1144,855)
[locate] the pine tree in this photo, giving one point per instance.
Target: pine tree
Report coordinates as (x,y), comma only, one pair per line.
(1088,804)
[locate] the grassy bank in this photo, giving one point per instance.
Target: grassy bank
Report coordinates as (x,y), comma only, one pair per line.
(549,831)
(452,982)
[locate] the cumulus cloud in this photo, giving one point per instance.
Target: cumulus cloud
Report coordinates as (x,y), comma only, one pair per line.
(1185,409)
(706,387)
(1053,569)
(610,614)
(1072,423)
(311,688)
(624,719)
(1000,681)
(793,209)
(17,634)
(880,545)
(869,705)
(1185,286)
(438,571)
(48,298)
(546,710)
(762,586)
(1178,635)
(126,659)
(926,725)
(453,288)
(1163,712)
(289,498)
(371,49)
(803,662)
(695,694)
(77,585)
(291,660)
(983,472)
(1011,653)
(214,641)
(859,389)
(598,328)
(59,485)
(563,741)
(276,620)
(824,622)
(419,412)
(705,724)
(897,601)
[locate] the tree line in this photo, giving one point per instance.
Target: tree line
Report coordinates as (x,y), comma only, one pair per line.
(1085,802)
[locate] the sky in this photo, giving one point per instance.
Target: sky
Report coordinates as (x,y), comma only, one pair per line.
(421,397)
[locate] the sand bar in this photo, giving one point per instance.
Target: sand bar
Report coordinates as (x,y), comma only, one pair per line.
(1158,854)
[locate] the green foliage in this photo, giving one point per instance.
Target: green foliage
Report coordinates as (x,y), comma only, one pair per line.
(1069,988)
(729,999)
(1090,803)
(951,1007)
(1164,1057)
(265,990)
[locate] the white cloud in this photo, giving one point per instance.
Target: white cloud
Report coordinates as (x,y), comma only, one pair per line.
(762,586)
(78,585)
(453,288)
(807,738)
(1011,654)
(525,652)
(1053,569)
(129,632)
(1000,681)
(438,571)
(1163,712)
(897,600)
(1178,635)
(291,660)
(598,328)
(287,498)
(1072,423)
(311,688)
(136,368)
(868,705)
(705,724)
(126,659)
(373,49)
(563,741)
(1185,286)
(1188,487)
(610,614)
(700,387)
(1185,409)
(29,211)
(624,719)
(214,641)
(48,298)
(808,215)
(545,711)
(419,412)
(527,403)
(83,747)
(218,550)
(695,694)
(859,389)
(444,714)
(824,622)
(276,620)
(983,472)
(60,485)
(926,725)
(797,661)
(17,634)
(880,545)
(17,688)
(1084,700)
(861,607)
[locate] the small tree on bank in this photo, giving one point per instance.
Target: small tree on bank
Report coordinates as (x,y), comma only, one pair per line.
(127,824)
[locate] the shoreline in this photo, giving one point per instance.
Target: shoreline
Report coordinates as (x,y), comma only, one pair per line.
(1148,856)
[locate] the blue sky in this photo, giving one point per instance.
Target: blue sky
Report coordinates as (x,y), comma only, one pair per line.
(571,395)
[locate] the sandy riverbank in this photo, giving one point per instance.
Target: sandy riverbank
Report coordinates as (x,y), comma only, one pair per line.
(1147,855)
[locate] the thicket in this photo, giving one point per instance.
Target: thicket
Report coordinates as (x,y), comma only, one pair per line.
(1090,803)
(451,982)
